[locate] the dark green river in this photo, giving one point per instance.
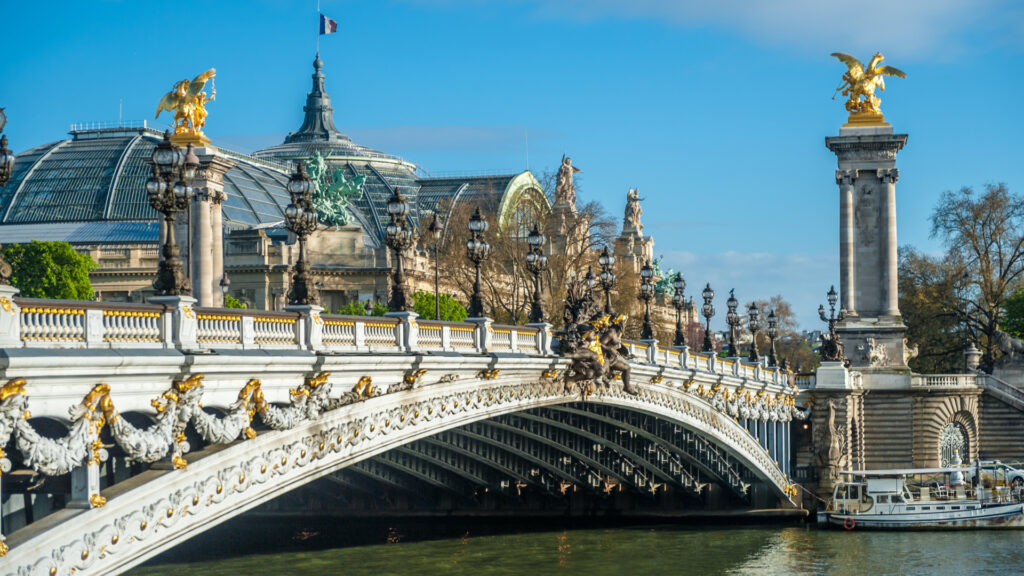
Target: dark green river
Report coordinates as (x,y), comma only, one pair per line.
(262,547)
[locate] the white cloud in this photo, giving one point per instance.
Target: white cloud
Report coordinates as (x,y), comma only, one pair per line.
(902,27)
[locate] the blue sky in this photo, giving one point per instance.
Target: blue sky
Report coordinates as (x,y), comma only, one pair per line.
(717,111)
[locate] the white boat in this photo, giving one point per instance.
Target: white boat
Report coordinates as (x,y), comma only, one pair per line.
(886,499)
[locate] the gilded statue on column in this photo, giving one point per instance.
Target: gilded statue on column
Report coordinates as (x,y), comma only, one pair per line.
(859,84)
(188,101)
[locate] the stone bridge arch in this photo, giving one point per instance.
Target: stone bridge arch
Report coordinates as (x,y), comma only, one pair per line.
(158,509)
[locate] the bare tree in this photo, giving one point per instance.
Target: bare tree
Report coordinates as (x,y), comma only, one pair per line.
(984,238)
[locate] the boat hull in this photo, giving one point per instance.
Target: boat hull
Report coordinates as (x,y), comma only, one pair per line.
(1010,515)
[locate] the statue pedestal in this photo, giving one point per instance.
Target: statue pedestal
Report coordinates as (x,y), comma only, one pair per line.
(832,376)
(873,331)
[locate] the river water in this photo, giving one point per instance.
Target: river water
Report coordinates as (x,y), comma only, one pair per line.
(261,548)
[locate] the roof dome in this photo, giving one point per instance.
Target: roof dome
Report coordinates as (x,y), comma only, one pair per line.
(100,175)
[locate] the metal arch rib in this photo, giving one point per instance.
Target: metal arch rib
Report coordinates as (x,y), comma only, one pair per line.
(228,179)
(579,455)
(369,201)
(118,169)
(468,454)
(28,175)
(642,461)
(514,452)
(661,441)
(388,459)
(410,450)
(376,472)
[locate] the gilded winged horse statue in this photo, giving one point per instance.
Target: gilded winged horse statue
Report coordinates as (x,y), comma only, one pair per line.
(188,102)
(860,81)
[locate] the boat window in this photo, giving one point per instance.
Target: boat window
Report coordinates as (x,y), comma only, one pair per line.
(926,507)
(940,507)
(954,507)
(911,508)
(841,492)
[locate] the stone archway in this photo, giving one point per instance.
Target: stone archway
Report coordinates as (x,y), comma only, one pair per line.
(949,421)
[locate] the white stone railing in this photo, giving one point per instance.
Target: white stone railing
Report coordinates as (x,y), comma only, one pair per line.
(937,381)
(174,323)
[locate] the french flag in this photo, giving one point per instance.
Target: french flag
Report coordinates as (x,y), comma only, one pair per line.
(327,26)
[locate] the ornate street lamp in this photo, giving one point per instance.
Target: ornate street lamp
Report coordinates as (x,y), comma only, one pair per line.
(6,157)
(708,310)
(399,236)
(169,192)
(477,251)
(831,346)
(679,302)
(647,294)
(301,219)
(773,333)
(607,262)
(436,229)
(733,320)
(225,284)
(536,262)
(755,324)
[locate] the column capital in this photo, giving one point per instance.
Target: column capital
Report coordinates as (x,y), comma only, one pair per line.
(846,177)
(888,175)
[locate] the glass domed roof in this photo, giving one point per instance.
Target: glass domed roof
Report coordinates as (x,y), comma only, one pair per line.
(100,175)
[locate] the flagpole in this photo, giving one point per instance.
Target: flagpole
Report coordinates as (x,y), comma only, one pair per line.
(318,27)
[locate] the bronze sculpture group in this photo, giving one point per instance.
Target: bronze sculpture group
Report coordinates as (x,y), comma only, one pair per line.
(593,341)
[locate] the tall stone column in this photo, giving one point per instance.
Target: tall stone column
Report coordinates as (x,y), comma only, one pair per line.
(891,281)
(845,180)
(873,333)
(206,246)
(202,249)
(217,225)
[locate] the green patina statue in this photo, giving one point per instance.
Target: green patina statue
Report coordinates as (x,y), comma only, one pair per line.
(333,192)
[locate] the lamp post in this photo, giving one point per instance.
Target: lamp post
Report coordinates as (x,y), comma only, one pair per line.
(536,262)
(169,193)
(607,262)
(301,219)
(225,284)
(754,323)
(708,310)
(832,347)
(399,236)
(773,333)
(6,157)
(679,302)
(477,251)
(436,228)
(733,320)
(646,294)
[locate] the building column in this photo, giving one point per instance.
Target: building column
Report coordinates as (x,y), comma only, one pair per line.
(890,273)
(206,244)
(217,231)
(202,264)
(845,179)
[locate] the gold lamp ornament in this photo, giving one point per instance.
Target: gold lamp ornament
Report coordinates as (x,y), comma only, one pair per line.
(188,102)
(859,84)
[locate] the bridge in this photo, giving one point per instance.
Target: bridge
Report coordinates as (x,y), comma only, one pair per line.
(182,417)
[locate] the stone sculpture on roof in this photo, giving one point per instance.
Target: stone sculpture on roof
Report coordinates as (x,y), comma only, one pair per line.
(565,190)
(633,211)
(188,102)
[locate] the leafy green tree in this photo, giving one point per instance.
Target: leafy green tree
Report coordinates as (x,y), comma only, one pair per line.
(357,308)
(232,302)
(928,296)
(50,270)
(1013,315)
(451,309)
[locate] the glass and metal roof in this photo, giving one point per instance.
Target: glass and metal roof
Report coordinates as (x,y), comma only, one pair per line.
(100,176)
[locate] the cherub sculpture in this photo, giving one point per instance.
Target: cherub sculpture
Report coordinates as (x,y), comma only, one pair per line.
(188,102)
(860,81)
